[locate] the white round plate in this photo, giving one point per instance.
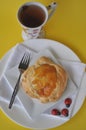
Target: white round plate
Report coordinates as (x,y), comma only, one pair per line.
(42,122)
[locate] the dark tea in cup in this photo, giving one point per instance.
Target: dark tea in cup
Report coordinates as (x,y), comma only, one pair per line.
(31,16)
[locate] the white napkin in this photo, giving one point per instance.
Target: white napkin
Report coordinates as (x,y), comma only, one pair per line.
(14,59)
(32,106)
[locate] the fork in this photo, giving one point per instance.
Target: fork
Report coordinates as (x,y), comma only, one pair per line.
(22,67)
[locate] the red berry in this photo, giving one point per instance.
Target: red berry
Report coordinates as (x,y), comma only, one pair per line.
(65,112)
(55,112)
(68,102)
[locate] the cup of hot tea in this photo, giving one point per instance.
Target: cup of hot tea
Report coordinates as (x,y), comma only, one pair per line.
(32,16)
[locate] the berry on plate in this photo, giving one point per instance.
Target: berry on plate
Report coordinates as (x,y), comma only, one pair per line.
(55,111)
(68,102)
(65,112)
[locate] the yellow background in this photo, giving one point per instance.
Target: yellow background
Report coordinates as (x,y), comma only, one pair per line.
(67,25)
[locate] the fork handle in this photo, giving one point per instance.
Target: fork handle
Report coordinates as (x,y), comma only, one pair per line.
(15,92)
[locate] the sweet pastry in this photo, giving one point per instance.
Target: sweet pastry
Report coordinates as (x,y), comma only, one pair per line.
(44,80)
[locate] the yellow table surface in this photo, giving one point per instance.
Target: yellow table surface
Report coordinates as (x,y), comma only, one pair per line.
(67,25)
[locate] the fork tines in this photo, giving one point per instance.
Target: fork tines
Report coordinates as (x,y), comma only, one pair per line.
(25,60)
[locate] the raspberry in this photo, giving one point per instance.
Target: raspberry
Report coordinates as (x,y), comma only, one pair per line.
(65,112)
(55,112)
(68,102)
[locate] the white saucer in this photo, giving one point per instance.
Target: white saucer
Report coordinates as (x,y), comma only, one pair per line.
(43,122)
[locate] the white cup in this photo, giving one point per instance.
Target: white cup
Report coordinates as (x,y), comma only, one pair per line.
(32,16)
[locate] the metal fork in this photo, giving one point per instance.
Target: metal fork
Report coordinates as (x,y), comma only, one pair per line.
(22,67)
